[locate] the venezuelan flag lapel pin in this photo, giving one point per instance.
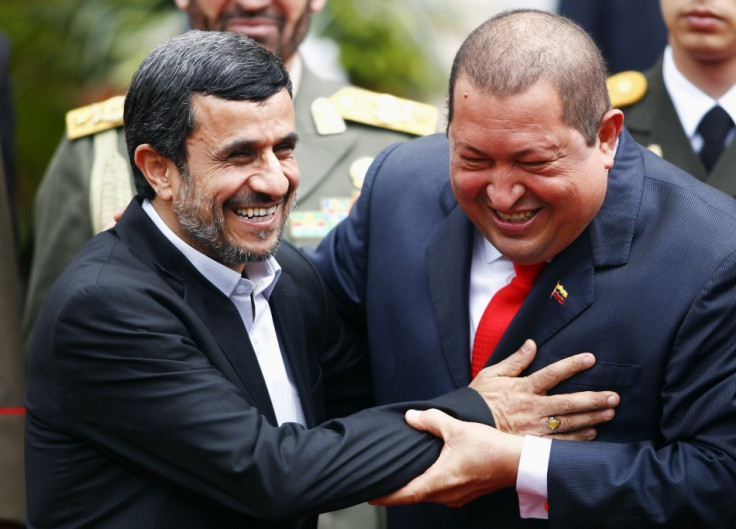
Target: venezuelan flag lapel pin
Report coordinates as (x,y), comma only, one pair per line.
(559,293)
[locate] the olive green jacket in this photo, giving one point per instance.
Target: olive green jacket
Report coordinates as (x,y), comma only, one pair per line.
(654,123)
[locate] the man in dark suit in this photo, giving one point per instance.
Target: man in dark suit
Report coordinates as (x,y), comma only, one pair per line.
(179,358)
(639,268)
(666,106)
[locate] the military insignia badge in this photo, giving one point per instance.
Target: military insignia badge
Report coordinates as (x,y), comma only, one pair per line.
(326,117)
(94,118)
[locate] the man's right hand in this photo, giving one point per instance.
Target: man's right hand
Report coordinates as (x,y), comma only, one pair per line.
(521,406)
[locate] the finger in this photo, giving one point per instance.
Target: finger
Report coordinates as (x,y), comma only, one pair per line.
(588,434)
(433,421)
(409,493)
(575,422)
(119,213)
(551,375)
(574,403)
(515,364)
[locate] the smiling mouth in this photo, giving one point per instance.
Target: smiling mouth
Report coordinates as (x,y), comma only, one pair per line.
(521,216)
(257,214)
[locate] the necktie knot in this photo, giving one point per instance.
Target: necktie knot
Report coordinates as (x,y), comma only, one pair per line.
(715,125)
(528,274)
(714,128)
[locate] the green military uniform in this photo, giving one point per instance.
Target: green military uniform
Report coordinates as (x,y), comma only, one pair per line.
(12,373)
(651,118)
(89,177)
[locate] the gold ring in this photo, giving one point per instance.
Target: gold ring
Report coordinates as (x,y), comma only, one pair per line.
(553,423)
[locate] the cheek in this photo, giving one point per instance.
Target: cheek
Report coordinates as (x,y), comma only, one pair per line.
(468,186)
(292,174)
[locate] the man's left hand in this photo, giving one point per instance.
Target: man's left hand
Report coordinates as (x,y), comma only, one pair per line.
(475,460)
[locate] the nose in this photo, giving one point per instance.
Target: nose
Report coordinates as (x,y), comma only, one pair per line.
(269,178)
(504,189)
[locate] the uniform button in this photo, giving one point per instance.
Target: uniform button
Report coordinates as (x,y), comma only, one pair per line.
(240,289)
(463,513)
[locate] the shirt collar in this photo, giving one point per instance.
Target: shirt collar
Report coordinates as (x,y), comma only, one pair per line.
(490,252)
(262,275)
(690,102)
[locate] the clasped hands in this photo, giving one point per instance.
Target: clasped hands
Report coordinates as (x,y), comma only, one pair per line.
(477,459)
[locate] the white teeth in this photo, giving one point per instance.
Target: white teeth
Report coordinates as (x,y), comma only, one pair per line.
(516,217)
(256,213)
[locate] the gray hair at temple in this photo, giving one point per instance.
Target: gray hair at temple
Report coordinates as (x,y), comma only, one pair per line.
(509,53)
(158,108)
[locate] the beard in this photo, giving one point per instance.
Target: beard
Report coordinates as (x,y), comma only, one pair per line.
(284,46)
(204,221)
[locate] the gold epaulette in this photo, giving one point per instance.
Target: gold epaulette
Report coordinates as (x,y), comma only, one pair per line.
(386,111)
(626,88)
(95,118)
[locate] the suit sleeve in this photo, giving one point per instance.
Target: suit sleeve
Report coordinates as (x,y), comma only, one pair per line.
(62,222)
(686,478)
(131,381)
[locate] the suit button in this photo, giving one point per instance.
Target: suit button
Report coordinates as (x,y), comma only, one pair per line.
(463,513)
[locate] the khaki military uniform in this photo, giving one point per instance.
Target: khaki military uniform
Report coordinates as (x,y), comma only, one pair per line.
(651,118)
(12,373)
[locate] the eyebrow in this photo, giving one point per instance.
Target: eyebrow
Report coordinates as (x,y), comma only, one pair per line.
(238,145)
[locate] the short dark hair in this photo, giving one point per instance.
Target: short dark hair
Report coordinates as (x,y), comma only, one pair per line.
(514,50)
(158,108)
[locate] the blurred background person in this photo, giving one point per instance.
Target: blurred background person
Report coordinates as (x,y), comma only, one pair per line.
(630,33)
(684,107)
(12,376)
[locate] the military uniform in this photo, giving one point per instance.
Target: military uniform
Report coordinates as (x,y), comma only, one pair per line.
(651,118)
(12,373)
(89,177)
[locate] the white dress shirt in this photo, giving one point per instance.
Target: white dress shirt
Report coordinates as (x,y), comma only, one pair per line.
(691,103)
(250,296)
(489,272)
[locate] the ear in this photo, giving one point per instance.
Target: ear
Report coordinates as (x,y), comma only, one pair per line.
(160,172)
(182,4)
(314,5)
(608,132)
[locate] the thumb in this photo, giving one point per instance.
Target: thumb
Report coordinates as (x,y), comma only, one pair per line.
(432,421)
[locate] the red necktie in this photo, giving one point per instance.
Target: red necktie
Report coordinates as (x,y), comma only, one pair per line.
(500,311)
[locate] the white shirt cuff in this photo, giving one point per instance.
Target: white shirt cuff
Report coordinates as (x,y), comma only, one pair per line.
(531,481)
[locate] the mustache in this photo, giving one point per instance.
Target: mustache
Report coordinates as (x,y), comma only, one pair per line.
(253,200)
(265,12)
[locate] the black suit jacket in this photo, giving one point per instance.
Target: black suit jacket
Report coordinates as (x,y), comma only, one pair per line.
(651,287)
(147,407)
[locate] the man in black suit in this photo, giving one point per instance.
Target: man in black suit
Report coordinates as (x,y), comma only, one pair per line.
(179,360)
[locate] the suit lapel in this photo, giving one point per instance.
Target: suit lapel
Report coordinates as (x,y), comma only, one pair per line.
(542,314)
(448,255)
(722,176)
(290,327)
(230,351)
(661,126)
(227,328)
